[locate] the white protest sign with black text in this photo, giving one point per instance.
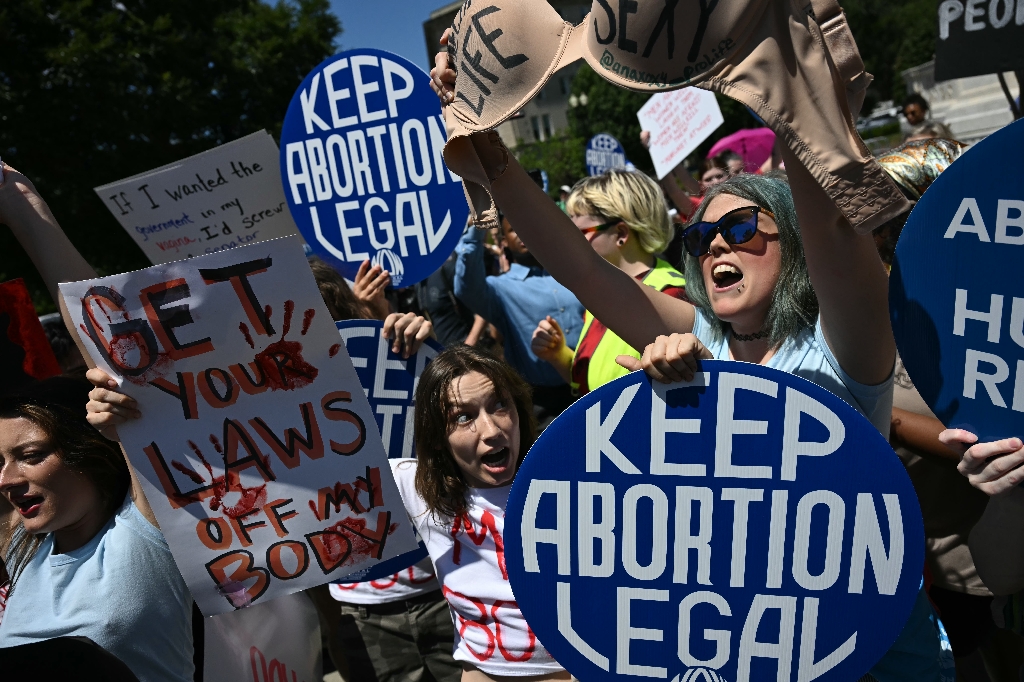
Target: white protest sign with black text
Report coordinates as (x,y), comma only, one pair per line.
(362,167)
(748,525)
(274,642)
(678,120)
(256,448)
(223,198)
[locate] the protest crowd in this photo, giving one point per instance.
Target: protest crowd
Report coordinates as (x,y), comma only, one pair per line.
(782,262)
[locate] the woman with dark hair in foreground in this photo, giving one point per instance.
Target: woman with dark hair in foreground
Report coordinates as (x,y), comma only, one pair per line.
(474,424)
(87,558)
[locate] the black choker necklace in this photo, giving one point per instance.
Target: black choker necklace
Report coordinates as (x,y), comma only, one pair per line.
(750,337)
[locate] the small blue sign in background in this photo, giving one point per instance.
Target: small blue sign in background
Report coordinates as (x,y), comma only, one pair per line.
(362,168)
(745,522)
(604,153)
(956,296)
(389,382)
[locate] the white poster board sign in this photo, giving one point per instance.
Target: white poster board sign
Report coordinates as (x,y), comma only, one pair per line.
(274,642)
(223,198)
(679,121)
(256,447)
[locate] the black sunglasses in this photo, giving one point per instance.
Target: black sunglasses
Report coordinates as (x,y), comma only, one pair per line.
(736,227)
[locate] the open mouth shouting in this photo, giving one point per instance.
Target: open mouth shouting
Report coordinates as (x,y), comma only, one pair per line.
(497,462)
(28,505)
(725,276)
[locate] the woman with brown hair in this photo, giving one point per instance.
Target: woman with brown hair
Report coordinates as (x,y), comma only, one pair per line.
(474,424)
(85,556)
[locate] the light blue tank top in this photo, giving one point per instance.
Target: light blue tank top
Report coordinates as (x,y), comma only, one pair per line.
(121,589)
(917,655)
(807,355)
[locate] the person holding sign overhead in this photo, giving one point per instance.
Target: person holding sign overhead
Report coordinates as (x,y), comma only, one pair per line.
(810,302)
(622,214)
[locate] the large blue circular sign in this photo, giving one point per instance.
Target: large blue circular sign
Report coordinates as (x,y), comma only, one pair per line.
(389,382)
(956,296)
(748,524)
(362,168)
(604,153)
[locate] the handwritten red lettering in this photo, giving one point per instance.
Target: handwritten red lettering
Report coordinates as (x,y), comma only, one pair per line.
(464,523)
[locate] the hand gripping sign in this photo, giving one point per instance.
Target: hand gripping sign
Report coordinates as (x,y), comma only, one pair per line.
(362,168)
(389,382)
(748,524)
(253,447)
(955,294)
(604,153)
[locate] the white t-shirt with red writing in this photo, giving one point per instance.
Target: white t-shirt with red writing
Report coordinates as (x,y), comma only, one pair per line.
(469,558)
(412,582)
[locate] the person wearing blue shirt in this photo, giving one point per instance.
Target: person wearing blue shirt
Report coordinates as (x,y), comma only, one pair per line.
(514,303)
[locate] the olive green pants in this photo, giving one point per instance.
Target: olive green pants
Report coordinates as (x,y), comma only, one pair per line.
(404,641)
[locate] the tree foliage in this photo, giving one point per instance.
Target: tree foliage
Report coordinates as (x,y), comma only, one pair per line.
(91,92)
(893,36)
(562,156)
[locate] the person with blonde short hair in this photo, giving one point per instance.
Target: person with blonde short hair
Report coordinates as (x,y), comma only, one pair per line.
(623,216)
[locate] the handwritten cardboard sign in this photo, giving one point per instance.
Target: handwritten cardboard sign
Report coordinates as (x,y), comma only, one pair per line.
(747,525)
(274,642)
(362,167)
(679,120)
(256,447)
(223,198)
(956,298)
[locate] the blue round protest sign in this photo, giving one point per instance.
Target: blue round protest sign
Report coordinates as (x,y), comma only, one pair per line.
(747,525)
(389,382)
(362,168)
(604,153)
(955,295)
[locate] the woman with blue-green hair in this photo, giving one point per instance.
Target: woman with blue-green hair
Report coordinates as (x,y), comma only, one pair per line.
(809,302)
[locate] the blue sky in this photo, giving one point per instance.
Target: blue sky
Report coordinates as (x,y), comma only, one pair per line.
(392,25)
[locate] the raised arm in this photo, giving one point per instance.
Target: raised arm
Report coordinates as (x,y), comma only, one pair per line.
(35,228)
(849,279)
(471,284)
(637,313)
(106,409)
